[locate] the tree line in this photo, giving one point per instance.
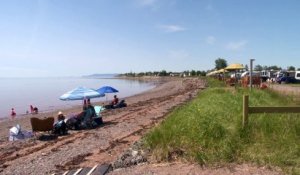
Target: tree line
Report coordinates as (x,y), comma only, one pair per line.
(166,73)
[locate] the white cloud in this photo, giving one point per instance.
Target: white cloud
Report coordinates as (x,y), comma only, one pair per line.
(178,54)
(210,40)
(236,45)
(172,28)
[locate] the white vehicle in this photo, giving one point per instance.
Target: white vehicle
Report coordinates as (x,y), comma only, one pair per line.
(267,74)
(246,73)
(297,75)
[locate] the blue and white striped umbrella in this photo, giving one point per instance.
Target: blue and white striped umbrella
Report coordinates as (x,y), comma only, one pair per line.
(81,93)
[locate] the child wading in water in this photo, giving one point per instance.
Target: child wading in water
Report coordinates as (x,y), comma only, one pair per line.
(13,113)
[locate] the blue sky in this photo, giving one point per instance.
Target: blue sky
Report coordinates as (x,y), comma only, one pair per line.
(76,37)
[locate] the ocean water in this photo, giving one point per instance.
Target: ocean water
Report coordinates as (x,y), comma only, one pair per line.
(20,93)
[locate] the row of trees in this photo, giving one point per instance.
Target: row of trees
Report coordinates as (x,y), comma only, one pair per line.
(221,63)
(165,73)
(260,68)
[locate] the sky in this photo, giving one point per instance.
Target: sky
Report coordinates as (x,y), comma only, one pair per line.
(46,38)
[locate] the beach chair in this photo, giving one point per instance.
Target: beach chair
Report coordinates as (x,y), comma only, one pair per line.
(42,125)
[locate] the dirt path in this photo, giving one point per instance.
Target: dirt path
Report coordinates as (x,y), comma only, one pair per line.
(286,89)
(102,145)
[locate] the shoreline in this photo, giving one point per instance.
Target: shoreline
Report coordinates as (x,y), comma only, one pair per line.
(52,113)
(50,108)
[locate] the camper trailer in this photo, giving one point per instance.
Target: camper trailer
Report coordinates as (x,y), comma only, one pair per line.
(267,74)
(297,76)
(287,76)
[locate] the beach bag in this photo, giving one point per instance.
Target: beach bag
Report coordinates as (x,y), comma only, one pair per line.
(15,133)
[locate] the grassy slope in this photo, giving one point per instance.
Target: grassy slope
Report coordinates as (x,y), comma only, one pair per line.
(208,130)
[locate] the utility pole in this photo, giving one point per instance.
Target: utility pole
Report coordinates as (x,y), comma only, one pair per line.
(250,73)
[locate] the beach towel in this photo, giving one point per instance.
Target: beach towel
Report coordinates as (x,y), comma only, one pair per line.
(98,110)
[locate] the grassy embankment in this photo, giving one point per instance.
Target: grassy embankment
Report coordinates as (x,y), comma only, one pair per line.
(208,130)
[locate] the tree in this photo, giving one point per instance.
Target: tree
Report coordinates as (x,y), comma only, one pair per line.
(220,63)
(298,69)
(193,73)
(291,68)
(274,68)
(258,68)
(141,74)
(265,67)
(201,73)
(163,73)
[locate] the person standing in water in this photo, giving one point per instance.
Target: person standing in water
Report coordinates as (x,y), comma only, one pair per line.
(13,113)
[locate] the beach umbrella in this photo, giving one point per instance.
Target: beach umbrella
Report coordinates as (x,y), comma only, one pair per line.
(234,67)
(107,89)
(81,93)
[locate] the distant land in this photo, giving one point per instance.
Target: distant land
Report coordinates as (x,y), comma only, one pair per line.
(100,76)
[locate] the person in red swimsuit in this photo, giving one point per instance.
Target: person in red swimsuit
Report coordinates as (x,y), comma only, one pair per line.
(13,113)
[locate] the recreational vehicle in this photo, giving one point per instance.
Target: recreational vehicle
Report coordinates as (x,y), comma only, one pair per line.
(287,77)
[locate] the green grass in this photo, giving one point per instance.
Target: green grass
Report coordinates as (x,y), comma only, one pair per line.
(208,130)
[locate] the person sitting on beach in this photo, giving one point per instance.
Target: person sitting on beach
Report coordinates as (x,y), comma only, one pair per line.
(113,103)
(74,121)
(115,100)
(33,110)
(60,126)
(121,104)
(89,115)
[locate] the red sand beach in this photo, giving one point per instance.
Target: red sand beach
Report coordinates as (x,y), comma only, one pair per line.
(86,148)
(89,147)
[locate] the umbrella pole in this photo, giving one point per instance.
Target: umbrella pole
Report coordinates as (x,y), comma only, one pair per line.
(235,79)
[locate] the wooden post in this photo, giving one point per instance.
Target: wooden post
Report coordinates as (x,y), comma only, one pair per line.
(245,110)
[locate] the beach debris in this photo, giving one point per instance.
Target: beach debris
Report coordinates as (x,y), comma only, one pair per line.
(133,156)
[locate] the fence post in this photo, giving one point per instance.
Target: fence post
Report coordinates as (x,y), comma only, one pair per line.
(245,109)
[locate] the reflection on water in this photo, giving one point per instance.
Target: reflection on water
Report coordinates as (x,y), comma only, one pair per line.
(20,93)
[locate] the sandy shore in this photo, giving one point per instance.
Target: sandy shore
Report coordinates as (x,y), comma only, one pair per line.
(106,144)
(101,145)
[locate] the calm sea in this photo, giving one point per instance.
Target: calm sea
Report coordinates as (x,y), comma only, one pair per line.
(20,93)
